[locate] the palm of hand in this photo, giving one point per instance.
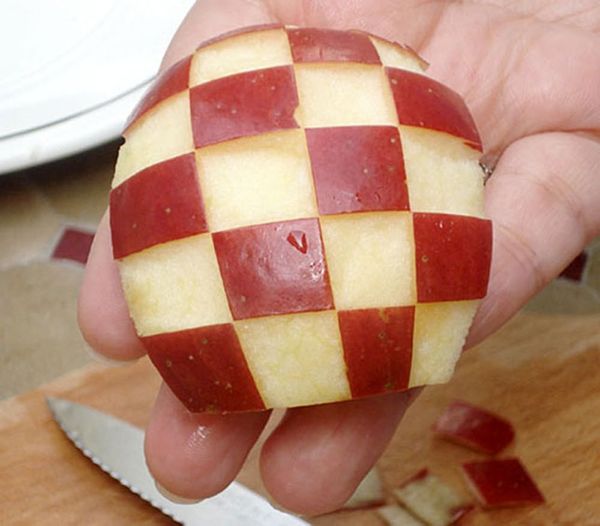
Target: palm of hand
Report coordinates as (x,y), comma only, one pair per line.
(531,78)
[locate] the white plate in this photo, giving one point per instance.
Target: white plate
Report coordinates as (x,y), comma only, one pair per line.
(72,70)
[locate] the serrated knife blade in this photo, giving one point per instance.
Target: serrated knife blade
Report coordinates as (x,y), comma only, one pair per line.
(117,447)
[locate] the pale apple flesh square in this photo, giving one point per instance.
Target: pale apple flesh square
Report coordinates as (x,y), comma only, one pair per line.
(146,144)
(175,286)
(296,359)
(310,204)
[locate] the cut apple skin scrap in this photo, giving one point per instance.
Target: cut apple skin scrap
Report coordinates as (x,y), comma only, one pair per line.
(297,218)
(475,428)
(501,483)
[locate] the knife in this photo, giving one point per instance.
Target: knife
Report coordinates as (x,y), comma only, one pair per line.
(117,447)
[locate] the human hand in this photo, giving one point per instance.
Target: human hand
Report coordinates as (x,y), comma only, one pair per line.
(530,73)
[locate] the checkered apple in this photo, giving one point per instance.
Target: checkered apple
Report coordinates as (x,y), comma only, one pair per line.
(297,216)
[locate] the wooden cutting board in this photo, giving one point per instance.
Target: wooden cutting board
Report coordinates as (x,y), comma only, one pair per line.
(540,372)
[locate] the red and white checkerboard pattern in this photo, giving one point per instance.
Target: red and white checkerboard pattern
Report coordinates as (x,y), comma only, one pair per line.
(249,222)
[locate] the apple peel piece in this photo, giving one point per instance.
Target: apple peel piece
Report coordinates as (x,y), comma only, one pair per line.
(74,245)
(242,105)
(432,500)
(475,428)
(453,255)
(424,102)
(159,204)
(358,169)
(501,483)
(330,45)
(377,348)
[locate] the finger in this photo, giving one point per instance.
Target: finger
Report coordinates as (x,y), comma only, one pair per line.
(543,199)
(209,18)
(102,311)
(314,460)
(195,456)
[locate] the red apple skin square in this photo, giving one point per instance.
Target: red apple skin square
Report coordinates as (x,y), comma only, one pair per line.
(159,204)
(243,105)
(329,45)
(502,483)
(453,255)
(423,102)
(358,169)
(277,268)
(377,348)
(205,368)
(475,428)
(74,245)
(172,81)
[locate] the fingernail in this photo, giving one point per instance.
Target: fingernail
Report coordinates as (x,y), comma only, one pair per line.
(100,358)
(175,498)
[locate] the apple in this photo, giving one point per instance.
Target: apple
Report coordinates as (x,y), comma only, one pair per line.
(297,217)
